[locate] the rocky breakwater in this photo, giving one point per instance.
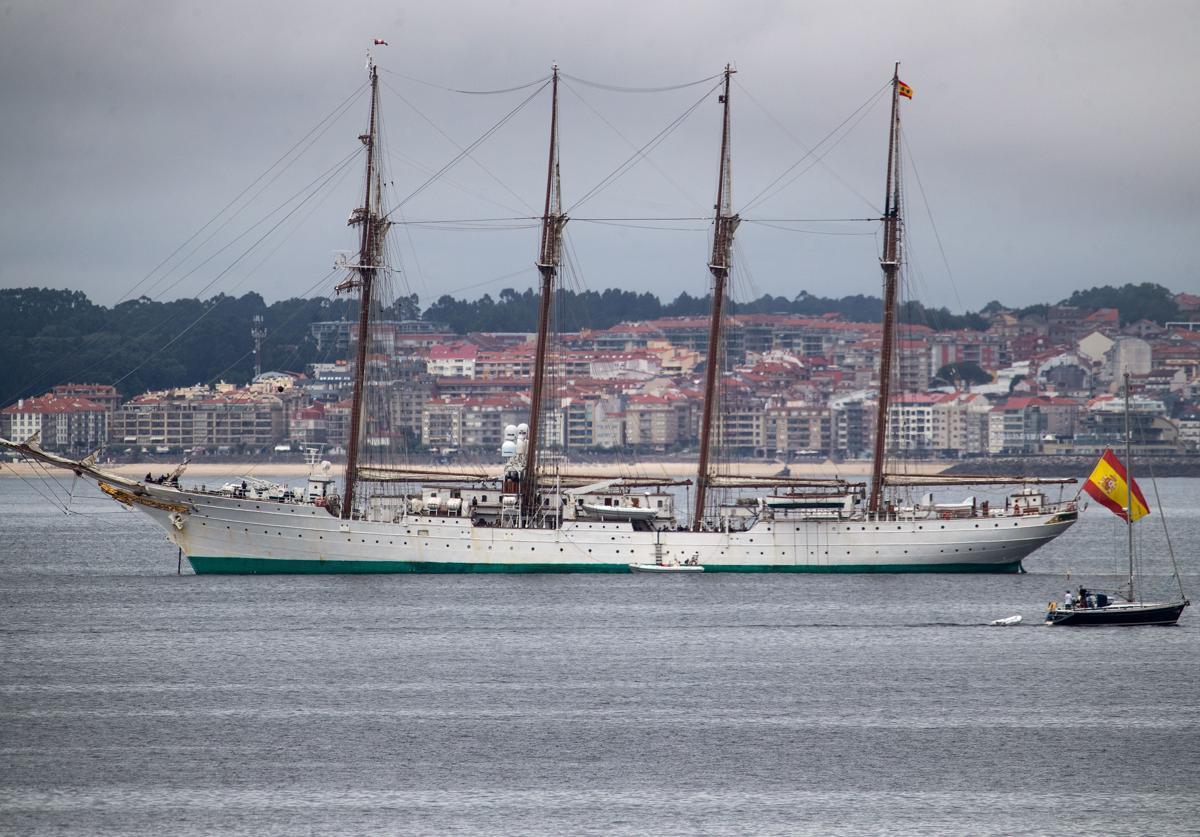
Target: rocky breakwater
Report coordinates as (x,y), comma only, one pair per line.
(1186,465)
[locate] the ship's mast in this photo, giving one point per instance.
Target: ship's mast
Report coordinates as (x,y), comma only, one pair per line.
(1129,486)
(369,257)
(891,268)
(548,258)
(724,225)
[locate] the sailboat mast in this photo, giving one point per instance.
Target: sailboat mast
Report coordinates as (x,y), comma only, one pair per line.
(1129,486)
(891,267)
(724,225)
(547,264)
(368,260)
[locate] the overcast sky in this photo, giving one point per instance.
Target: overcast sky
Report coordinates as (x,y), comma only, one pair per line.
(1055,142)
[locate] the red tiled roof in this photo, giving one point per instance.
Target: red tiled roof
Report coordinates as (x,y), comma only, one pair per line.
(54,404)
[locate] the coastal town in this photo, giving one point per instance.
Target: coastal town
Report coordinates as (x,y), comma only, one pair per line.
(795,388)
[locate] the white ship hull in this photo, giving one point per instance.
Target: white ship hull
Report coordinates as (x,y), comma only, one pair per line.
(221,534)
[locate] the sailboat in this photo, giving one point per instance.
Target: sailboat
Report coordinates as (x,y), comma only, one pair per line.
(528,515)
(1112,485)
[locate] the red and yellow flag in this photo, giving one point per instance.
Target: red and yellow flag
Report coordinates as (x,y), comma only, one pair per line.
(903,89)
(1107,486)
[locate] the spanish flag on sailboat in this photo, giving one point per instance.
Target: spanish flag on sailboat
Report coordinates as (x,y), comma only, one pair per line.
(1107,487)
(903,89)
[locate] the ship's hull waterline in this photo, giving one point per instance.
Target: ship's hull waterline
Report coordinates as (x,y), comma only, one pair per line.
(220,534)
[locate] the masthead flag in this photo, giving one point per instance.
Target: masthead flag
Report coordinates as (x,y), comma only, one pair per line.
(382,42)
(903,89)
(1107,485)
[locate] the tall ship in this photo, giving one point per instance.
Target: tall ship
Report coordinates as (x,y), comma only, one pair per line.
(531,514)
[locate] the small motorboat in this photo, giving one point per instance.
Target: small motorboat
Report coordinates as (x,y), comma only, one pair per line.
(1007,620)
(672,567)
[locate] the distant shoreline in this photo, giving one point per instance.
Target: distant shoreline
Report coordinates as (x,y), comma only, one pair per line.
(651,468)
(857,470)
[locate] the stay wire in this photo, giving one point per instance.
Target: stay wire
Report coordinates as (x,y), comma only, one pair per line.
(860,112)
(525,86)
(640,153)
(451,140)
(303,195)
(331,117)
(689,198)
(215,305)
(276,327)
(1162,516)
(466,151)
(618,89)
(44,373)
(912,164)
(83,371)
(311,139)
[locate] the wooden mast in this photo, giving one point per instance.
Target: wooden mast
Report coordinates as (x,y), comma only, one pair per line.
(891,268)
(369,252)
(724,225)
(548,258)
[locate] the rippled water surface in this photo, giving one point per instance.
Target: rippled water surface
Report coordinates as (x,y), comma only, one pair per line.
(136,701)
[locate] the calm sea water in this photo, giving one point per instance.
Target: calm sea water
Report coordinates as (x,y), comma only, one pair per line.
(136,701)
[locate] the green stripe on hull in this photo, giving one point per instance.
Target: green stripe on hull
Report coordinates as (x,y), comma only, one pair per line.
(288,566)
(279,566)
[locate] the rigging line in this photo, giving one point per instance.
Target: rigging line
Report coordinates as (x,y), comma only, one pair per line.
(811,220)
(426,170)
(654,142)
(305,194)
(331,117)
(229,220)
(414,223)
(689,198)
(412,246)
(705,218)
(1162,516)
(52,500)
(477,228)
(617,89)
(52,483)
(220,300)
(525,86)
(315,191)
(327,193)
(123,317)
(864,108)
(912,163)
(646,226)
(487,282)
(817,160)
(451,140)
(807,232)
(276,327)
(467,151)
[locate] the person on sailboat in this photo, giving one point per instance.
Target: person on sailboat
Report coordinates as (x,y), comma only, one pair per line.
(1068,599)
